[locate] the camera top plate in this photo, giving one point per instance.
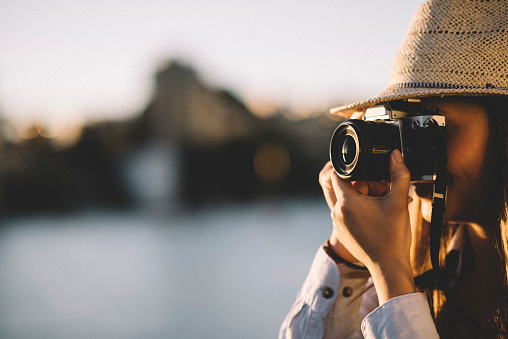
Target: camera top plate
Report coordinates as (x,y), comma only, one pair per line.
(395,110)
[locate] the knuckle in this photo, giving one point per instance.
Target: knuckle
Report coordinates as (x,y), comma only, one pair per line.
(324,177)
(340,210)
(321,177)
(345,209)
(336,215)
(404,173)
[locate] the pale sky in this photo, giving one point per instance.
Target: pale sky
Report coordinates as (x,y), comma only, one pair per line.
(68,59)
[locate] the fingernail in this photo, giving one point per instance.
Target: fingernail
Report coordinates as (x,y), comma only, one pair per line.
(397,156)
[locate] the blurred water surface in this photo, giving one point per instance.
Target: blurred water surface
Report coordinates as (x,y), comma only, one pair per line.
(229,271)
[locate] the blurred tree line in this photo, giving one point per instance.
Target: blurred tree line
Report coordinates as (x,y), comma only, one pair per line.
(192,144)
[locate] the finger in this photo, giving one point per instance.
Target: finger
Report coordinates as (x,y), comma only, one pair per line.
(378,189)
(361,186)
(399,175)
(324,176)
(342,188)
(325,181)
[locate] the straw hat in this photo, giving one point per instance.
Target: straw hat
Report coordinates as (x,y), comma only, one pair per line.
(452,47)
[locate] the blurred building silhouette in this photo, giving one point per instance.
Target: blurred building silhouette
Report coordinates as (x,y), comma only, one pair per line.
(186,111)
(192,144)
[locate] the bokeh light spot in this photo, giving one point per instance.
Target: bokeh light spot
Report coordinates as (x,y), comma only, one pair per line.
(272,162)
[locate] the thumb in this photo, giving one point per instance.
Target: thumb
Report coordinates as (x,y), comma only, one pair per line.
(399,175)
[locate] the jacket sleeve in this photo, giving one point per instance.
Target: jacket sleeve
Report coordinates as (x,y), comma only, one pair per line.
(328,304)
(335,302)
(405,316)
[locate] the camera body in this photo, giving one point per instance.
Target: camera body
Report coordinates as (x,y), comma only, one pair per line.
(361,149)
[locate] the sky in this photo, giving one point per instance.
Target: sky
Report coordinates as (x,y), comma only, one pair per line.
(94,60)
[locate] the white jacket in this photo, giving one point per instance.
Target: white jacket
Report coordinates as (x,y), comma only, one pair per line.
(336,302)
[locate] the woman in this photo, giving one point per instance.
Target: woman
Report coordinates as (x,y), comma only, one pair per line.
(373,276)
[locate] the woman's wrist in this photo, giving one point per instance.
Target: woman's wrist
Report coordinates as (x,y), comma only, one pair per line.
(340,250)
(392,280)
(340,260)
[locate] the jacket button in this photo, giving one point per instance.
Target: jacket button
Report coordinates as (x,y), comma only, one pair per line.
(347,292)
(327,293)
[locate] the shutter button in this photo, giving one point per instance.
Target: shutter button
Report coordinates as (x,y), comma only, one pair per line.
(327,293)
(347,292)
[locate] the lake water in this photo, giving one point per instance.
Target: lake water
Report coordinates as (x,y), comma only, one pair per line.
(229,271)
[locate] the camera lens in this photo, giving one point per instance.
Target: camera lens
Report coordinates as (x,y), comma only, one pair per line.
(360,150)
(348,150)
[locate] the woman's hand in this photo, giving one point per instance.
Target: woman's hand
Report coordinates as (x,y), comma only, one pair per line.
(371,224)
(370,188)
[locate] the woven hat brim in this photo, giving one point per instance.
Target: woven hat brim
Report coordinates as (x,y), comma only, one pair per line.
(414,93)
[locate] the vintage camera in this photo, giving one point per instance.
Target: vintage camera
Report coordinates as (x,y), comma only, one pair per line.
(360,149)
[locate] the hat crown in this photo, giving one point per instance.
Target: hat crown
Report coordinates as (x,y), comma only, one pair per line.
(457,42)
(452,48)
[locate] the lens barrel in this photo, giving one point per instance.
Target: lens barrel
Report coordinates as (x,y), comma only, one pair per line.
(360,150)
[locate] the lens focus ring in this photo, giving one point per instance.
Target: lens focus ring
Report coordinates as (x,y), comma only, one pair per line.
(344,149)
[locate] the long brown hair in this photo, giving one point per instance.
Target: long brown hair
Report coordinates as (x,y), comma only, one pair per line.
(497,109)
